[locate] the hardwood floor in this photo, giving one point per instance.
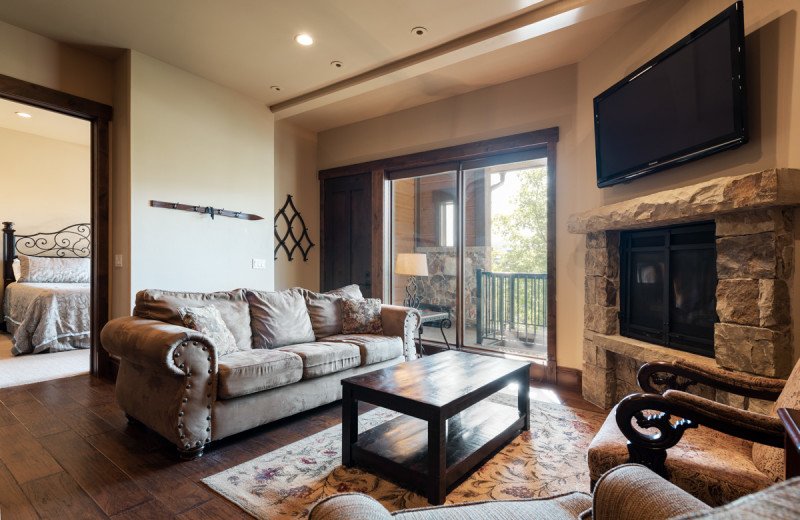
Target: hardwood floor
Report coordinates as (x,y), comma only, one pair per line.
(67,451)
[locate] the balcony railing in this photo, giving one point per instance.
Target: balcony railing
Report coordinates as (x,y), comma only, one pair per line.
(511,306)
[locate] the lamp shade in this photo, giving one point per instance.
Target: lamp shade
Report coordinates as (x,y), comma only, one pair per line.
(413,264)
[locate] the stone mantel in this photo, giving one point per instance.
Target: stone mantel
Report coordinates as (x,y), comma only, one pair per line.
(765,189)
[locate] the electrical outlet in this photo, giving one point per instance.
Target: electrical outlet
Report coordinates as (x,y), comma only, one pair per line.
(259,263)
(118,261)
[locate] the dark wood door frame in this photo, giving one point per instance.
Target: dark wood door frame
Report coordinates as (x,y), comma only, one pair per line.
(99,115)
(433,161)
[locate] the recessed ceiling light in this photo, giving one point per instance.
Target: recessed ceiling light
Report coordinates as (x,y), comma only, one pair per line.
(419,31)
(304,39)
(337,64)
(23,114)
(276,88)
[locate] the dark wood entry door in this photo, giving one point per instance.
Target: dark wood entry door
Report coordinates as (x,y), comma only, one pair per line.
(347,232)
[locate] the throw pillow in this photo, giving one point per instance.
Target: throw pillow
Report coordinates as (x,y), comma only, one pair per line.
(279,318)
(35,269)
(208,321)
(362,316)
(325,311)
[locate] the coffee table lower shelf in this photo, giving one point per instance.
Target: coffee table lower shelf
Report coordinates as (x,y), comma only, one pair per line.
(399,447)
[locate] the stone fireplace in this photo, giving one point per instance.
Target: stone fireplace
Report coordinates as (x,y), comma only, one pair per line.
(754,263)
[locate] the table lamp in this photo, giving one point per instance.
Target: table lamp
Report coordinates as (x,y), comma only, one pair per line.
(411,264)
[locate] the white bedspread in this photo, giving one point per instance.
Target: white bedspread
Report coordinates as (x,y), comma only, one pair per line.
(47,316)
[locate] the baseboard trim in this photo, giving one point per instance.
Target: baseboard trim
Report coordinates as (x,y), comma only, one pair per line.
(569,378)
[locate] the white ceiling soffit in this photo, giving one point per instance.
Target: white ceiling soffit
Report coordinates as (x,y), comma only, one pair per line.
(545,38)
(44,123)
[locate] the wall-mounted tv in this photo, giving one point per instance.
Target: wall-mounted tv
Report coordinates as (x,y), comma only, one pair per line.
(686,103)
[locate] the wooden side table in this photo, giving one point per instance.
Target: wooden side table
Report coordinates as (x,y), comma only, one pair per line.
(791,422)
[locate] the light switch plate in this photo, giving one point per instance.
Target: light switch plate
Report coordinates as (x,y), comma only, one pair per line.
(259,263)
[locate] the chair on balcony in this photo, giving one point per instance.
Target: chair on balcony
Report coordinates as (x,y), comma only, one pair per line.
(716,452)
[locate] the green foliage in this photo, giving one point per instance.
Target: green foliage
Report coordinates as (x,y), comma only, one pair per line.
(525,229)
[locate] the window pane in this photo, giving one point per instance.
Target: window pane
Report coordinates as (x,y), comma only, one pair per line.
(506,258)
(424,222)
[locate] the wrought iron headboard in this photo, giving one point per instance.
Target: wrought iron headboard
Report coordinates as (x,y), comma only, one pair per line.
(73,241)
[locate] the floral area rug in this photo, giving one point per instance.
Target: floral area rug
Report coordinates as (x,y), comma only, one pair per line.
(285,483)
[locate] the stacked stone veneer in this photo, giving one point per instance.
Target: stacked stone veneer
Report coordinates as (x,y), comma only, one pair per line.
(439,287)
(755,251)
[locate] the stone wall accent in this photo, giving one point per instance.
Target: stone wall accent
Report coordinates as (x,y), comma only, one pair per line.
(600,314)
(439,287)
(755,252)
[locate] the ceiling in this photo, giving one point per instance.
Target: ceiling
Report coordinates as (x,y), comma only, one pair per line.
(45,123)
(248,45)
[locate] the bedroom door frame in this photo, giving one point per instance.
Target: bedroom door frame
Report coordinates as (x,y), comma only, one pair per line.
(100,116)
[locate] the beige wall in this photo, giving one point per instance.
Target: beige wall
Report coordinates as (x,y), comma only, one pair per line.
(564,98)
(46,182)
(532,103)
(296,175)
(120,276)
(772,46)
(40,60)
(195,142)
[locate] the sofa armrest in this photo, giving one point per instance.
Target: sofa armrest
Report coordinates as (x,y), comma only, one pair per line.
(632,492)
(150,343)
(667,373)
(404,323)
(349,506)
(177,400)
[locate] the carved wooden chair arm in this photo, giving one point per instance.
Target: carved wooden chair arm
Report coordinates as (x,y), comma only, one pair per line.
(667,373)
(654,411)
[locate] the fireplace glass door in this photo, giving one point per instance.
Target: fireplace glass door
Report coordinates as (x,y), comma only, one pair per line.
(668,283)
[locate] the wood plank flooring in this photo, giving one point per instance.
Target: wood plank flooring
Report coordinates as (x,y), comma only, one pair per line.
(67,451)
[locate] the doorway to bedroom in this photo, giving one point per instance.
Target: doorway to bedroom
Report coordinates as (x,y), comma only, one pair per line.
(46,160)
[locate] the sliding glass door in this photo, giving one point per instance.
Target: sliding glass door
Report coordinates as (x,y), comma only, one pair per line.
(474,236)
(425,226)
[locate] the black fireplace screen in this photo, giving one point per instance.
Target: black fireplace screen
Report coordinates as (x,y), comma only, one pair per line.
(668,282)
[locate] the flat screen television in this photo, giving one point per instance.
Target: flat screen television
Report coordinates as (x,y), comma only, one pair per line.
(686,103)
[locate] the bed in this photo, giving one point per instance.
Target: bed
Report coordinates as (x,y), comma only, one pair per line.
(46,297)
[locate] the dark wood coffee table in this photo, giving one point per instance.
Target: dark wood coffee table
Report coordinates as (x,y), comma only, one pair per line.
(448,428)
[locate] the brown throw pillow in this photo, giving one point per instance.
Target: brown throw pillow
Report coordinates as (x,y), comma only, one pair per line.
(208,321)
(362,316)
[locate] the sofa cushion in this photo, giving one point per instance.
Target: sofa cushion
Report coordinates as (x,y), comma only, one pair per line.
(373,348)
(361,316)
(207,321)
(325,309)
(165,306)
(279,318)
(322,358)
(352,292)
(251,371)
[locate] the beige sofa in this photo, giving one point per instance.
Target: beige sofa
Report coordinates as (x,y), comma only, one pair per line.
(626,492)
(290,356)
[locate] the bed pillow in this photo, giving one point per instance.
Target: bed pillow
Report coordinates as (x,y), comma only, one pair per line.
(208,321)
(16,269)
(36,269)
(362,316)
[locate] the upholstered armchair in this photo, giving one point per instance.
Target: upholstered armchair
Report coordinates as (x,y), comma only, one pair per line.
(716,452)
(627,492)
